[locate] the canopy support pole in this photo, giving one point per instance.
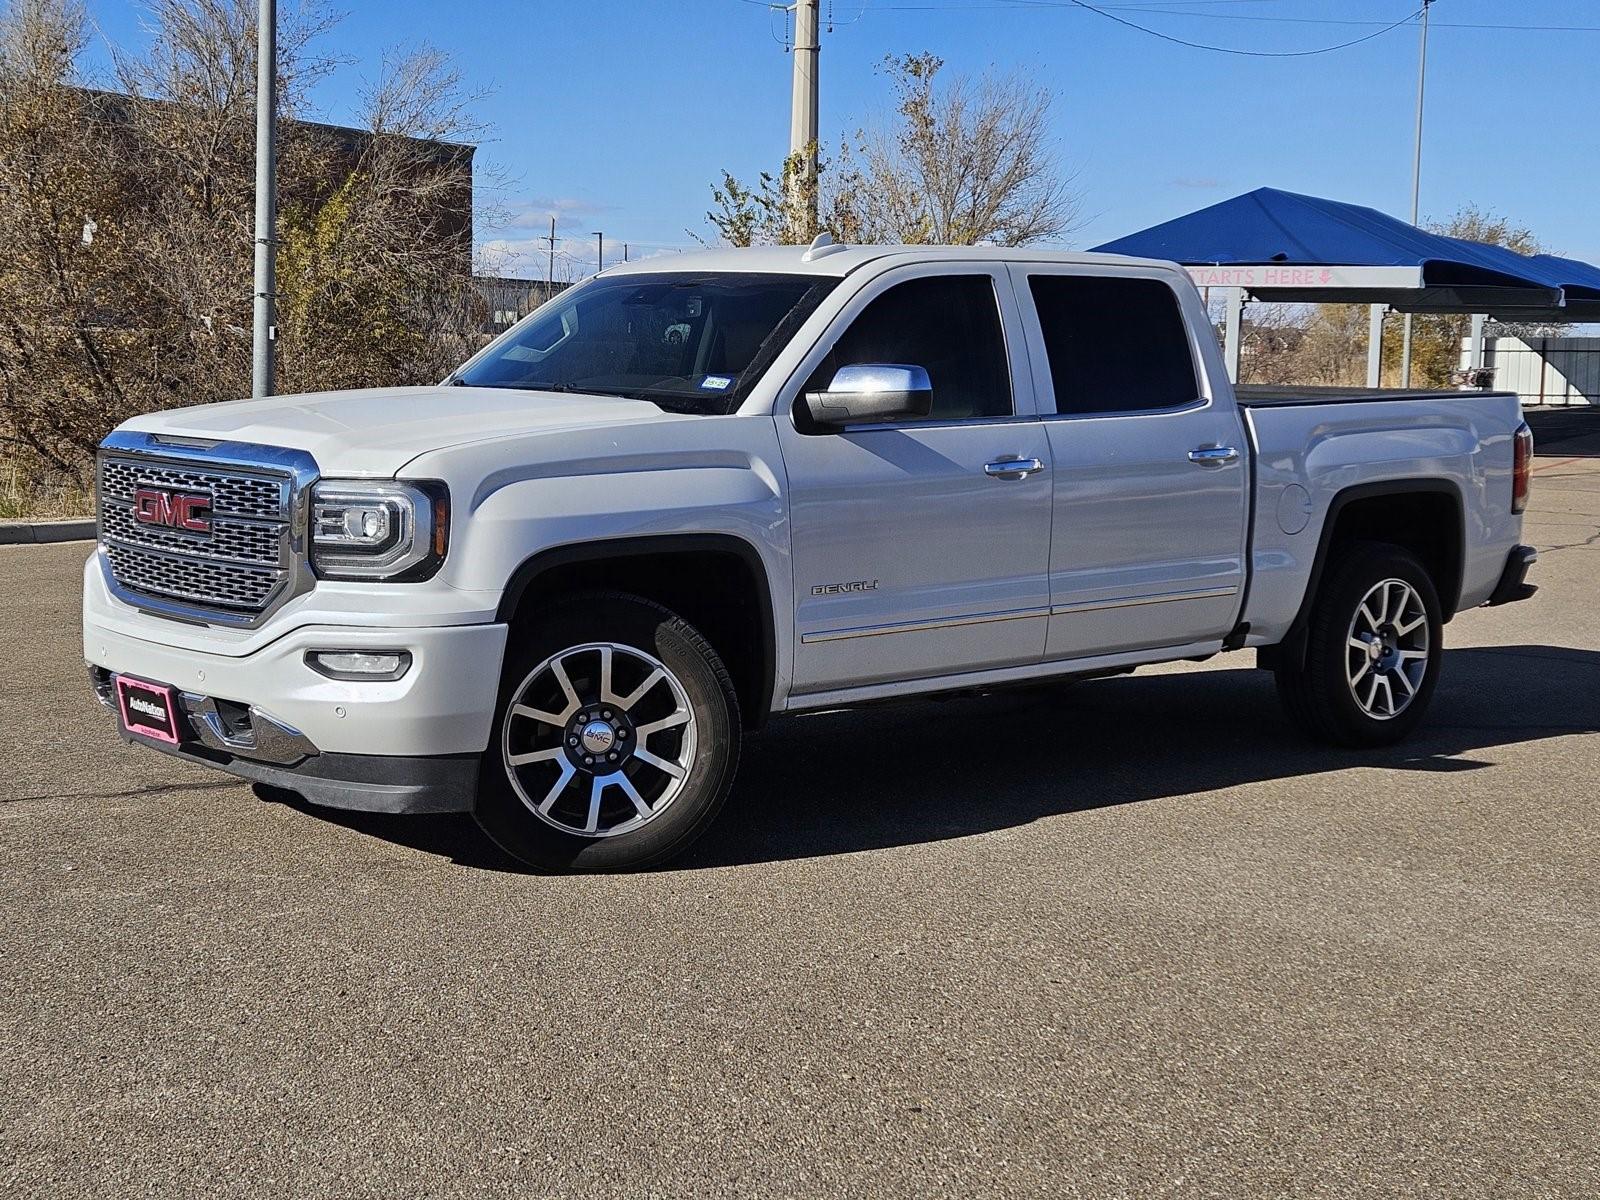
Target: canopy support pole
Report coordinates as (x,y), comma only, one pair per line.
(1233,331)
(1476,359)
(1375,345)
(1405,353)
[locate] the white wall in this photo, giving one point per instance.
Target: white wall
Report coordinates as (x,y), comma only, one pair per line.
(1560,370)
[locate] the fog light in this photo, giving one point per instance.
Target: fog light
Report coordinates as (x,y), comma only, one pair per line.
(359,664)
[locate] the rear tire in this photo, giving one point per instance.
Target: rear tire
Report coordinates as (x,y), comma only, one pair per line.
(1373,650)
(615,739)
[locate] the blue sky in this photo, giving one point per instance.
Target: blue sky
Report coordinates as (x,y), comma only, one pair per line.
(619,114)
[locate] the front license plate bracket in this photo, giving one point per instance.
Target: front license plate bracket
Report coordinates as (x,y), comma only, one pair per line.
(148,710)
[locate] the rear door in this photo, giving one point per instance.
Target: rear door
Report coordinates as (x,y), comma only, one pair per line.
(917,551)
(1152,470)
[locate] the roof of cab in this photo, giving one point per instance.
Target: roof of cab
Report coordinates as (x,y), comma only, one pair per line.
(838,260)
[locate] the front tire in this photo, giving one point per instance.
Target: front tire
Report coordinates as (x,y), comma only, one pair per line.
(1373,650)
(615,739)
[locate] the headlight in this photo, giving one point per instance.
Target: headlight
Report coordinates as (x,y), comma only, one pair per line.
(393,531)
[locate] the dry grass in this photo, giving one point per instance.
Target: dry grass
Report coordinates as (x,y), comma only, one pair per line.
(27,494)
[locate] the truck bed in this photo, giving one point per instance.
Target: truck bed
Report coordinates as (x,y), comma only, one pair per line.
(1263,395)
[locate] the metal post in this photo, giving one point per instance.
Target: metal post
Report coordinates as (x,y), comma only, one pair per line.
(1375,345)
(803,102)
(1233,330)
(600,253)
(550,279)
(1416,181)
(264,332)
(1475,358)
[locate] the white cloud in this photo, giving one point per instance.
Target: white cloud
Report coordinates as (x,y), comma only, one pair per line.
(534,212)
(575,255)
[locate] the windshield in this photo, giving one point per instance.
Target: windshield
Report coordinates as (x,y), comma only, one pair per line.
(689,342)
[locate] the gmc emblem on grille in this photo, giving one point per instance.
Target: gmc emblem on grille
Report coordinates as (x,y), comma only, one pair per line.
(176,510)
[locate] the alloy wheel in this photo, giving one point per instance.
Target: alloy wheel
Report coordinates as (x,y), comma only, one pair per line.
(598,739)
(1386,649)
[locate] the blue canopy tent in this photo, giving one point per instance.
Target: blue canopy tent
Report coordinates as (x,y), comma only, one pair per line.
(1276,245)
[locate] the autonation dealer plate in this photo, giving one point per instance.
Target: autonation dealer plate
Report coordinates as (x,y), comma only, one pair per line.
(147,709)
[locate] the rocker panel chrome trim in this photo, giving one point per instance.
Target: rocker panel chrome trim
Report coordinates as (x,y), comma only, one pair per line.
(1134,601)
(835,635)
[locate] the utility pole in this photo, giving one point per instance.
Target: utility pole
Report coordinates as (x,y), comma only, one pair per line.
(624,251)
(803,104)
(600,254)
(261,374)
(550,276)
(1416,183)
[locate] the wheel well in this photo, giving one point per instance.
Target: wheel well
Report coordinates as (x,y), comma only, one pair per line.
(1427,523)
(1425,518)
(716,584)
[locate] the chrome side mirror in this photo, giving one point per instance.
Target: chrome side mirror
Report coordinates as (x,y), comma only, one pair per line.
(871,392)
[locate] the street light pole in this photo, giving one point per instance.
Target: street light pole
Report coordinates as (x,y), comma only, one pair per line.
(1416,182)
(264,332)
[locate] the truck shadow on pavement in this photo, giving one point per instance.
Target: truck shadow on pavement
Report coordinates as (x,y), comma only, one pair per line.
(929,770)
(1565,432)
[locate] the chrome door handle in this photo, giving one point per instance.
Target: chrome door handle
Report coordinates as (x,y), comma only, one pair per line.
(1012,468)
(1213,456)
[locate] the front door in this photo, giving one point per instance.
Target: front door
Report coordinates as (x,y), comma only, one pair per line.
(917,551)
(1152,472)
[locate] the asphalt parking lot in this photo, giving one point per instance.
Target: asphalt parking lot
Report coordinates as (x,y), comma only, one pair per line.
(1158,947)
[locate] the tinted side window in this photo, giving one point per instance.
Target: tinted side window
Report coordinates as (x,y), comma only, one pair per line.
(950,326)
(1115,345)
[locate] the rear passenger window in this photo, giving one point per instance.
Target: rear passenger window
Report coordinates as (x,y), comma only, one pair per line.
(949,325)
(1115,344)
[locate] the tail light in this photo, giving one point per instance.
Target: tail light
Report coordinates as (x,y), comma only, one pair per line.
(1521,468)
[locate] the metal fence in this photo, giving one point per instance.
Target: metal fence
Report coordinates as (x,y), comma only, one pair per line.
(1562,371)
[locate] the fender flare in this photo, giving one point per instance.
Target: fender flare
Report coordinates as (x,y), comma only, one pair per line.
(1293,645)
(613,549)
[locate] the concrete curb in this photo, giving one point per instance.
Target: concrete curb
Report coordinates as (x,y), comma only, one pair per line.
(29,533)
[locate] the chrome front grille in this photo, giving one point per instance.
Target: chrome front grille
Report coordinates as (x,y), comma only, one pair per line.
(231,494)
(258,543)
(211,584)
(237,570)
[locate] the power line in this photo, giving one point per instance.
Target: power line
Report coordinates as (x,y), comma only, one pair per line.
(1171,12)
(876,5)
(1167,37)
(1165,8)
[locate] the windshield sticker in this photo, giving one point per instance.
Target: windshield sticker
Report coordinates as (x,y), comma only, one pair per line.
(716,383)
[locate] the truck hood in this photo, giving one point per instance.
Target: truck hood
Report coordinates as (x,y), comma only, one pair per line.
(376,431)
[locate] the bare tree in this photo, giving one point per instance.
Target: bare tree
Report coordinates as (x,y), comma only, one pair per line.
(71,249)
(775,211)
(965,161)
(190,119)
(376,277)
(959,161)
(126,284)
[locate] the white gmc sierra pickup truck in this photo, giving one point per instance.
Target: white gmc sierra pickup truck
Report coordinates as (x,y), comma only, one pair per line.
(693,494)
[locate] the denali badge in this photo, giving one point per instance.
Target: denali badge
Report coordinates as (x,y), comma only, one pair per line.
(190,511)
(838,589)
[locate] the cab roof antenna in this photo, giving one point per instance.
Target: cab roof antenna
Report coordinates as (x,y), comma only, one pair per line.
(821,246)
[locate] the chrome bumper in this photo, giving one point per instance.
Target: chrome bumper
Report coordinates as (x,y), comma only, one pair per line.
(245,742)
(239,730)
